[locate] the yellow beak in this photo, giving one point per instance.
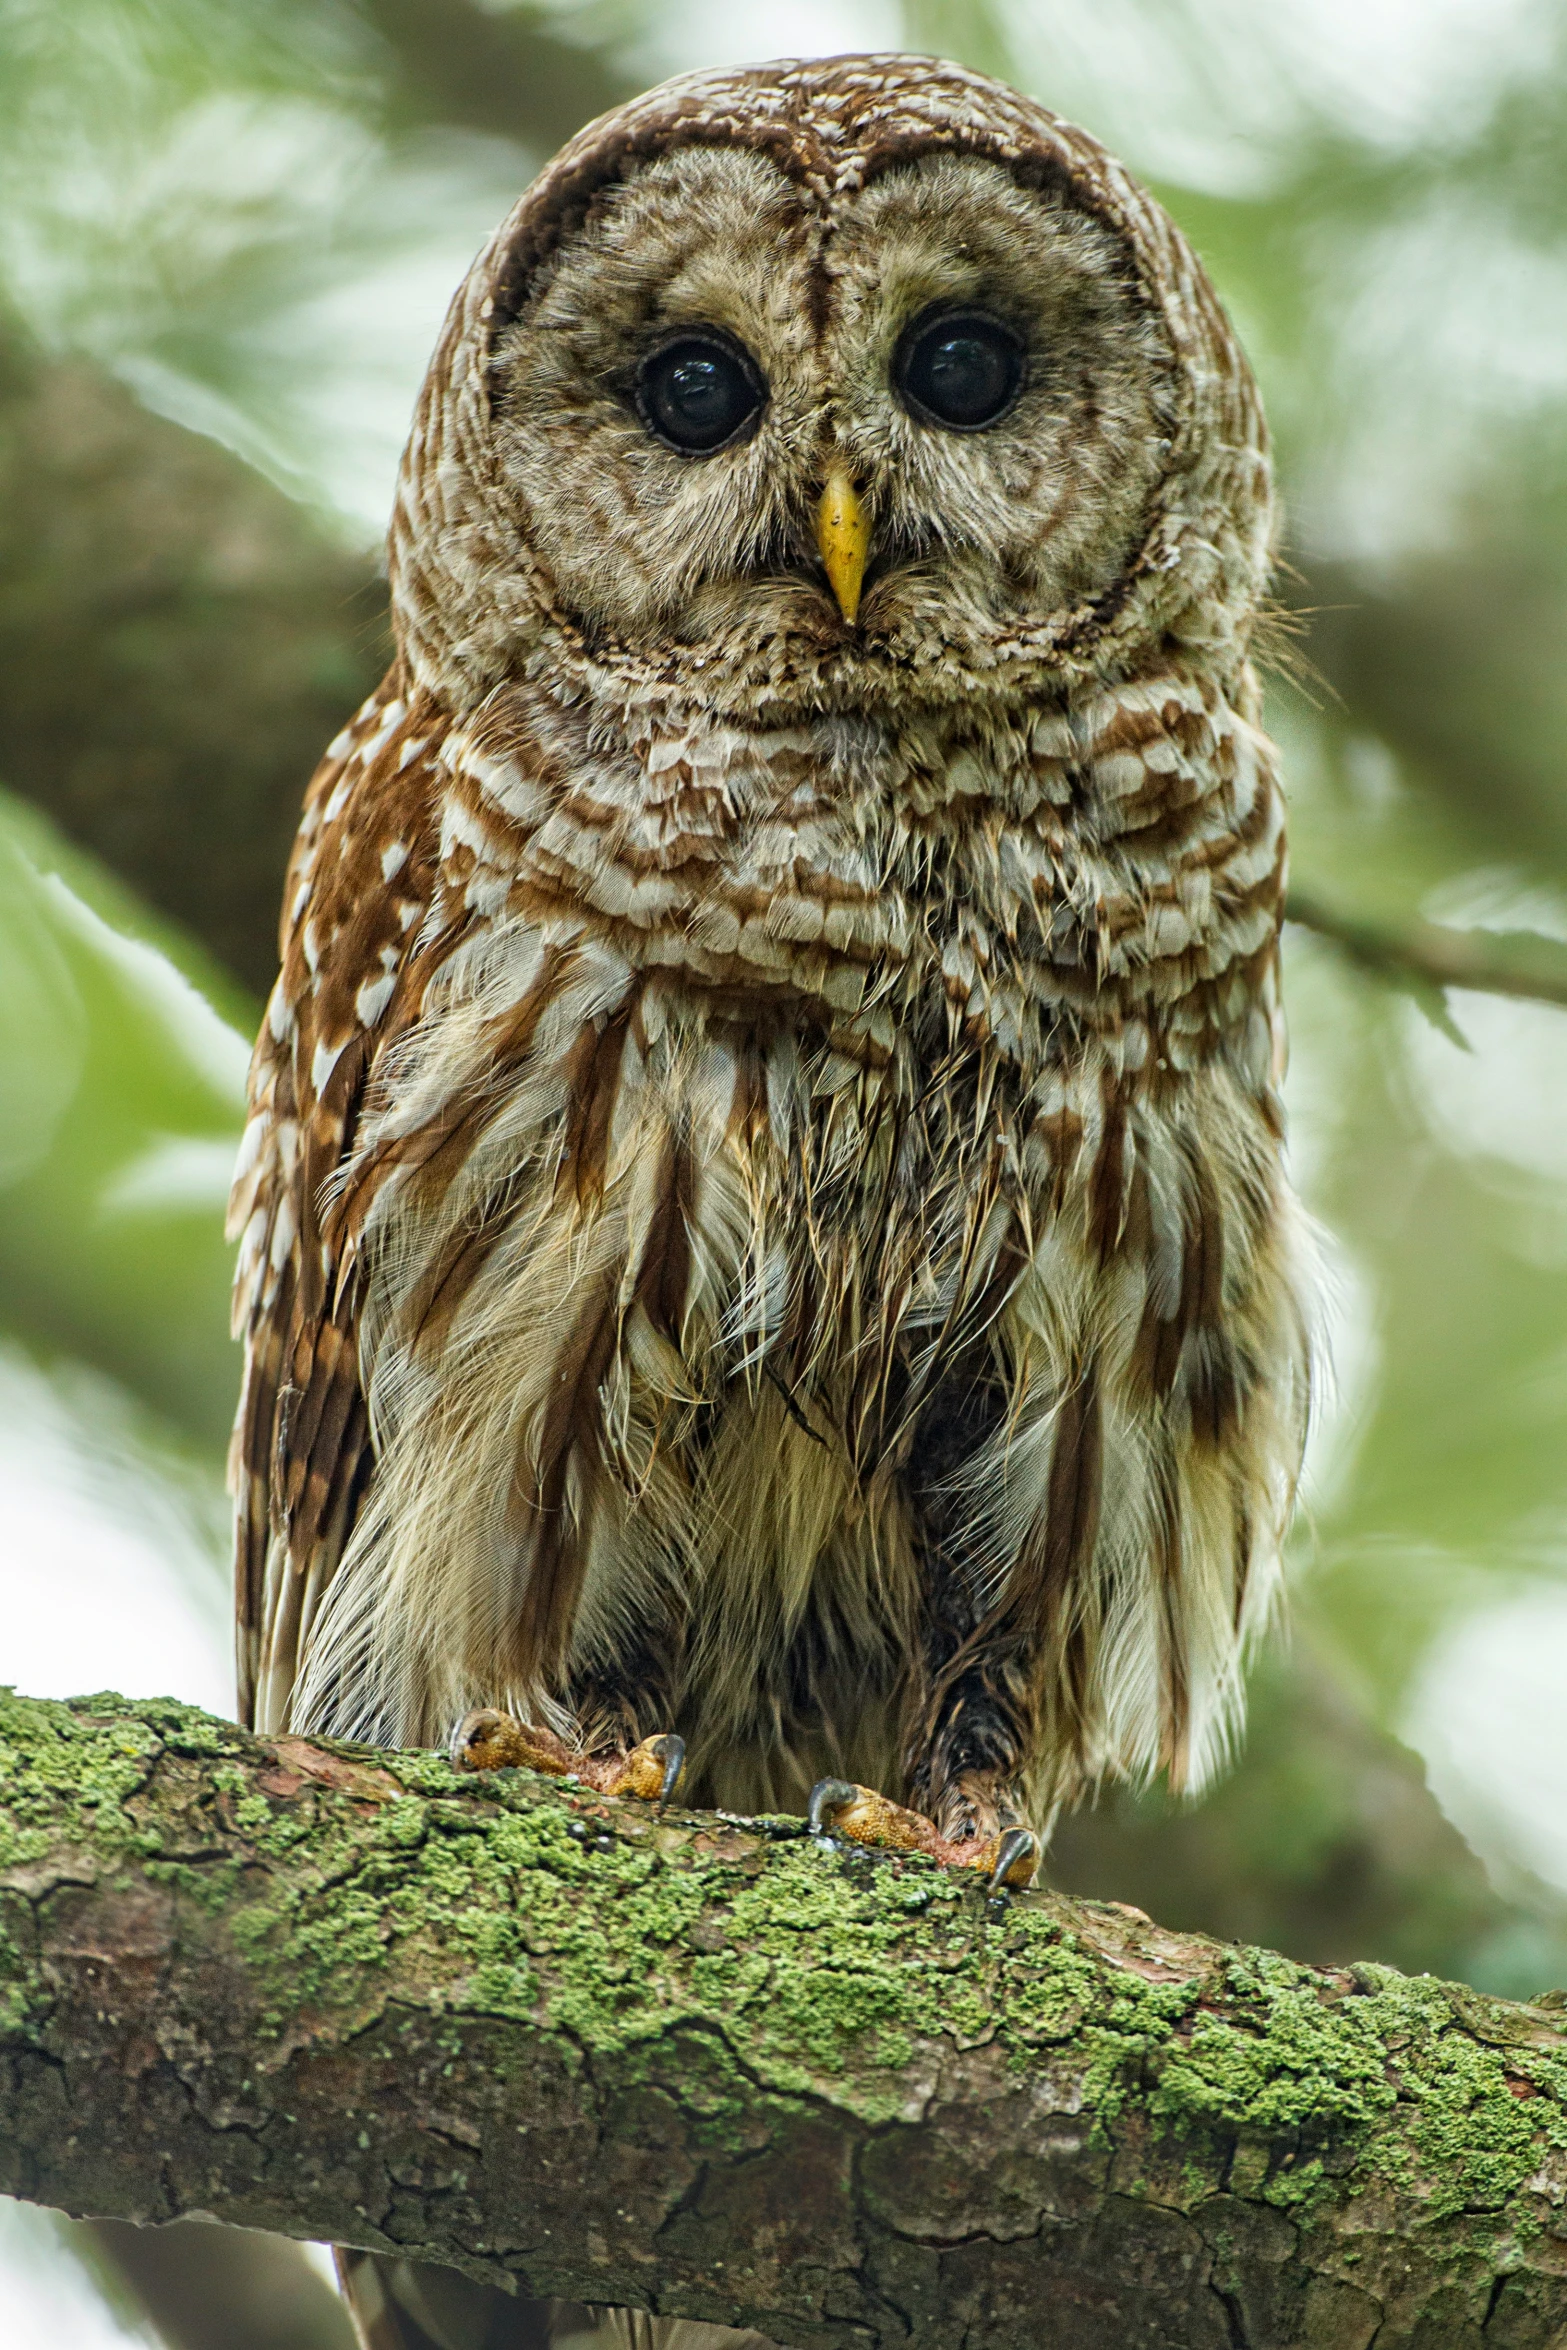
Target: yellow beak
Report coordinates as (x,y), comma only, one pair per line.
(843,534)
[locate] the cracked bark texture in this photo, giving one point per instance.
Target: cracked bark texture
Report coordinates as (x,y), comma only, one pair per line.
(710,2067)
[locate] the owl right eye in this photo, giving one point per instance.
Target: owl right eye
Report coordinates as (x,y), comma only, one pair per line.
(699,393)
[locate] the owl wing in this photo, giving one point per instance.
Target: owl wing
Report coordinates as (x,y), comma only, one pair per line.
(360,885)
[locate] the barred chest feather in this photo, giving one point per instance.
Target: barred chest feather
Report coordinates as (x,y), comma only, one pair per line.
(742,1103)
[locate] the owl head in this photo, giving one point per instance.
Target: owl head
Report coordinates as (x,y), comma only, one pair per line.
(826,386)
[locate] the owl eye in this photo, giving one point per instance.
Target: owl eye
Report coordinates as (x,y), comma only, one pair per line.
(698,393)
(961,370)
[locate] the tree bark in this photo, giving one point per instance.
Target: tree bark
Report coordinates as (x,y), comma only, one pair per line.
(714,2068)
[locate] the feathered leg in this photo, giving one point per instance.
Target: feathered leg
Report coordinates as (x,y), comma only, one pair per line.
(973,1732)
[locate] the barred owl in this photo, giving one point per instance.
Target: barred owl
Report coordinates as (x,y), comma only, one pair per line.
(763,1231)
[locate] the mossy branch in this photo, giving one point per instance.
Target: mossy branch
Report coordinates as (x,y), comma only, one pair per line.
(710,2067)
(1430,955)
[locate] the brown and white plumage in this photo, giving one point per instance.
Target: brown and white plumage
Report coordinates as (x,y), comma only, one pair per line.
(763,1210)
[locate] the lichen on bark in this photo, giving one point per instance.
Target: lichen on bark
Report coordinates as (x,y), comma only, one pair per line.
(716,2068)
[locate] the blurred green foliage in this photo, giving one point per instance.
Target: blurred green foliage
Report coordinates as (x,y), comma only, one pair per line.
(177,640)
(226,233)
(121,1096)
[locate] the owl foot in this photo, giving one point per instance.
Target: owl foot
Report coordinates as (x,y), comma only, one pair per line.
(493,1741)
(651,1770)
(838,1807)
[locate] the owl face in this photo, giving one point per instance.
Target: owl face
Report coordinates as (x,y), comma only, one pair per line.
(966,361)
(845,385)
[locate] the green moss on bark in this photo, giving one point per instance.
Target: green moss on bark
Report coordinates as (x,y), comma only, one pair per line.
(391,1951)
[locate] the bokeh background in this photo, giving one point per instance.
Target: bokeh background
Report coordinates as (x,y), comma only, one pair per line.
(228,229)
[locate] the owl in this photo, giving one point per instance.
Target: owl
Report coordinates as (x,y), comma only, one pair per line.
(764,1242)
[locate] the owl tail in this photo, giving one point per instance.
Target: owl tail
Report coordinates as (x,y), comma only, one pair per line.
(411,2305)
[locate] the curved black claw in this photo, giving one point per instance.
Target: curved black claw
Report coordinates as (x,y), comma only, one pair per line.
(1017,1858)
(828,1798)
(671,1751)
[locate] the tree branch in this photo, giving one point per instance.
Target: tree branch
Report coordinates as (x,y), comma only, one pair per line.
(1497,962)
(707,2066)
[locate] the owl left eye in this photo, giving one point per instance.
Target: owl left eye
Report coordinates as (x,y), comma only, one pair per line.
(961,370)
(699,393)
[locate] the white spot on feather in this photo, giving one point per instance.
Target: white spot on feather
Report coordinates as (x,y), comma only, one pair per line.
(373,998)
(285,1227)
(250,1142)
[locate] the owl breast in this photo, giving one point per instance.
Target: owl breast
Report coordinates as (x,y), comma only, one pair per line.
(767,1089)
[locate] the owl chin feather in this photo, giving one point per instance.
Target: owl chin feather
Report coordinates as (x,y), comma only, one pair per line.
(763,1220)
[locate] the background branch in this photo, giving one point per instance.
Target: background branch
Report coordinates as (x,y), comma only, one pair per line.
(708,2066)
(1498,962)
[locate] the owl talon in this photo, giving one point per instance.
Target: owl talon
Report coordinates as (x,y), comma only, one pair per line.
(829,1799)
(1016,1862)
(651,1770)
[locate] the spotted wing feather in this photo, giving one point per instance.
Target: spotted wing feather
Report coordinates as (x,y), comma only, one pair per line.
(359,890)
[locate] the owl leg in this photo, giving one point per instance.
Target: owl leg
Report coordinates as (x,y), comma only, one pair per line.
(616,1702)
(967,1757)
(977,1730)
(969,1753)
(964,1774)
(613,1703)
